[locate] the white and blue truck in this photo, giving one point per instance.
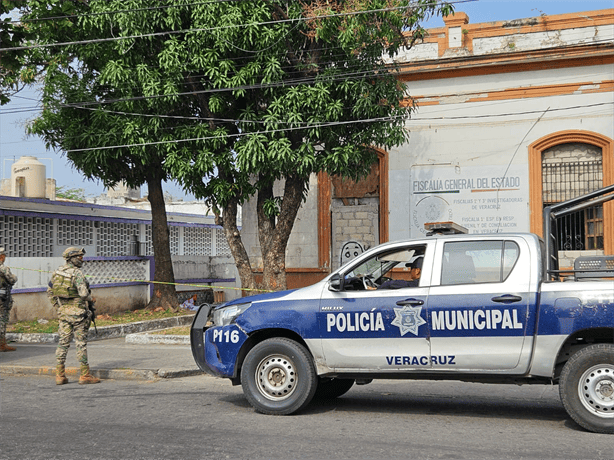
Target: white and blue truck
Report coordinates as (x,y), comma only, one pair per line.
(486,308)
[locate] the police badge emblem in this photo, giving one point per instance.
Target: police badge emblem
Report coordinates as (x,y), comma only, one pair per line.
(408,319)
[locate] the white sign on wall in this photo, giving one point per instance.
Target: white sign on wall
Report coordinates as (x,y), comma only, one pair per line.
(482,199)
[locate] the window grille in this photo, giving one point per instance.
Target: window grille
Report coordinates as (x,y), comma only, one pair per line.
(26,236)
(37,237)
(173,236)
(581,230)
(116,271)
(114,238)
(75,232)
(221,245)
(148,240)
(197,241)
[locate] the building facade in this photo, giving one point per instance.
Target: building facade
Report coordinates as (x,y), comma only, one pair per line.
(511,116)
(119,253)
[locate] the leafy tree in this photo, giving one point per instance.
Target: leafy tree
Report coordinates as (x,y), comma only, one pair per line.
(69,193)
(84,99)
(227,97)
(12,35)
(299,88)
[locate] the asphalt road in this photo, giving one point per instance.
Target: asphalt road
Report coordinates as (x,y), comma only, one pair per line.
(203,417)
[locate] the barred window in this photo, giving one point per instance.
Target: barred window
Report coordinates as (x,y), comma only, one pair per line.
(568,171)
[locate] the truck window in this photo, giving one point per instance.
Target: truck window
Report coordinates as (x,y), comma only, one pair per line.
(478,261)
(377,271)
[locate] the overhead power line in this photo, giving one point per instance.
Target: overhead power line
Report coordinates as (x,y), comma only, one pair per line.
(335,123)
(288,82)
(321,125)
(132,10)
(412,123)
(211,29)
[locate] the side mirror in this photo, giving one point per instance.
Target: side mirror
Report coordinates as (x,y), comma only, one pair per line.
(335,283)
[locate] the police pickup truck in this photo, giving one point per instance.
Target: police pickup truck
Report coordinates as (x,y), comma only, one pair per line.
(486,308)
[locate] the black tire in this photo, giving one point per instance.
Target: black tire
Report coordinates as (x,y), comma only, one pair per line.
(586,387)
(332,388)
(278,377)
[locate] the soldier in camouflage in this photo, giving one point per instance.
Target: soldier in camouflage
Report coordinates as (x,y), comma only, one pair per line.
(69,293)
(7,280)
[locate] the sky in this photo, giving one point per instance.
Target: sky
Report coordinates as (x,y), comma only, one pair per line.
(14,116)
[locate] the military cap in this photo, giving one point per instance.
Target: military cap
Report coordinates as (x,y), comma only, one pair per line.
(72,252)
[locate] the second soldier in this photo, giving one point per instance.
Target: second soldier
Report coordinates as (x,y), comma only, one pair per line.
(70,294)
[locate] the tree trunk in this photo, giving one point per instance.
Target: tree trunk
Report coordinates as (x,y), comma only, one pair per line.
(164,293)
(266,224)
(233,237)
(274,259)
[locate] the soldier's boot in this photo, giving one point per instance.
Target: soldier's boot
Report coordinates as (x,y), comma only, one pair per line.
(4,346)
(60,375)
(86,377)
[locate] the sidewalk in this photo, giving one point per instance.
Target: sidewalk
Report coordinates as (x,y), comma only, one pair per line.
(136,356)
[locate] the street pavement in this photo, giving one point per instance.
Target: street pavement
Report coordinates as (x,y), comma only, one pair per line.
(139,356)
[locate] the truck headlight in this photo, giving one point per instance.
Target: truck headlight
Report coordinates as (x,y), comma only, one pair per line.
(225,315)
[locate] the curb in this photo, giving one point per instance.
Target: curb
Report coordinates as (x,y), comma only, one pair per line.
(145,338)
(108,332)
(105,374)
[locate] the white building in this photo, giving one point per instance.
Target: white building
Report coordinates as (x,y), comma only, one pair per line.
(35,230)
(511,116)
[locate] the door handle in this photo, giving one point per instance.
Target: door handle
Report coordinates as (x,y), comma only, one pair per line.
(507,298)
(402,303)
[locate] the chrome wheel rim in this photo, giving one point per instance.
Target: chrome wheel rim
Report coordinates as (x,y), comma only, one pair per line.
(276,377)
(596,390)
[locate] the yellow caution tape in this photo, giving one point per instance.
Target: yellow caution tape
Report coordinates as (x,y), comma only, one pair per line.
(156,282)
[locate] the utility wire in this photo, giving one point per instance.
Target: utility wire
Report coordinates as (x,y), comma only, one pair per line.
(315,124)
(133,10)
(273,131)
(322,125)
(413,123)
(557,80)
(211,29)
(296,81)
(101,13)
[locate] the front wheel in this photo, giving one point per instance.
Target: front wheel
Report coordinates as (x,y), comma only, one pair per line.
(586,387)
(278,377)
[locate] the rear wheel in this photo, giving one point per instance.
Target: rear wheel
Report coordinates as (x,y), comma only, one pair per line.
(278,377)
(332,388)
(587,387)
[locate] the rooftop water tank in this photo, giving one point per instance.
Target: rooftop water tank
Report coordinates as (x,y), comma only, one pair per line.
(28,178)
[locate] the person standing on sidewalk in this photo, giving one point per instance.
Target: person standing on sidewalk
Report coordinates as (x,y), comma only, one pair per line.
(7,280)
(69,292)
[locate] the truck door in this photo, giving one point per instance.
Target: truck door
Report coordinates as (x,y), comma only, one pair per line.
(373,316)
(478,304)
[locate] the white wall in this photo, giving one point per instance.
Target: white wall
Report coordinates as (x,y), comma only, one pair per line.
(302,250)
(476,140)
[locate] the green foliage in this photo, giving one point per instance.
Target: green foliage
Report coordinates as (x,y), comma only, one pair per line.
(225,97)
(77,194)
(13,74)
(271,206)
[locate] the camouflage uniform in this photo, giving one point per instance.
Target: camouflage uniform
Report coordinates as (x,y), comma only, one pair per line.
(69,293)
(7,280)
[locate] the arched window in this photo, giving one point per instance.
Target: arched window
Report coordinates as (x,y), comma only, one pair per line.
(570,170)
(566,165)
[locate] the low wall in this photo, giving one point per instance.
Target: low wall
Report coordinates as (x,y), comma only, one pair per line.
(111,286)
(29,306)
(196,273)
